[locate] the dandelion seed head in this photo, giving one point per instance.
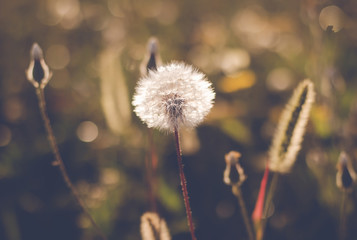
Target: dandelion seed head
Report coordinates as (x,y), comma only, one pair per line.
(175,95)
(291,128)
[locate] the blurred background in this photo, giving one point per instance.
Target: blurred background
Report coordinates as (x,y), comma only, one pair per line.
(255,52)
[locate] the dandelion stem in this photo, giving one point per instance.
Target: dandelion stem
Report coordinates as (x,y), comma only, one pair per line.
(343,217)
(151,167)
(183,185)
(58,160)
(238,193)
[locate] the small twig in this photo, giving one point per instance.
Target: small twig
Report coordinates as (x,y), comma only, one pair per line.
(58,160)
(183,185)
(343,217)
(238,193)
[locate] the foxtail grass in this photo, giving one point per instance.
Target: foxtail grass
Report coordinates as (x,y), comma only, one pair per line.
(287,142)
(152,227)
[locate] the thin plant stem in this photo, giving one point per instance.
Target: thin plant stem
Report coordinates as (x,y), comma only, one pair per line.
(269,200)
(238,193)
(259,205)
(183,185)
(58,160)
(343,217)
(151,167)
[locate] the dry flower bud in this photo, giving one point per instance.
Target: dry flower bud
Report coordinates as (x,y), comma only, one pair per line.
(152,58)
(346,176)
(38,72)
(232,157)
(234,173)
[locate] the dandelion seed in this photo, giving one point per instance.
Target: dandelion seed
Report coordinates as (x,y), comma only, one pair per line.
(291,128)
(153,228)
(346,176)
(175,95)
(38,72)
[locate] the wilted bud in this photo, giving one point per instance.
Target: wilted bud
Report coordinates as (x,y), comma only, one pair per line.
(234,173)
(153,227)
(152,58)
(346,176)
(38,72)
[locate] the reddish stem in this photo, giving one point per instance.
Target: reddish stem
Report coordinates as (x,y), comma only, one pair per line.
(149,179)
(259,206)
(258,210)
(183,185)
(153,165)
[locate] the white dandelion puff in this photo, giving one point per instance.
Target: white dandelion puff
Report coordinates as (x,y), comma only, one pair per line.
(291,128)
(173,96)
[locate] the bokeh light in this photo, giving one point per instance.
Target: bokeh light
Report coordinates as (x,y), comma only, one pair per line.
(232,60)
(5,135)
(332,16)
(13,109)
(57,56)
(225,209)
(87,131)
(280,79)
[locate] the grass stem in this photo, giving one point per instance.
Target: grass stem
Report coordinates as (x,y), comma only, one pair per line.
(268,202)
(343,217)
(151,171)
(238,193)
(58,160)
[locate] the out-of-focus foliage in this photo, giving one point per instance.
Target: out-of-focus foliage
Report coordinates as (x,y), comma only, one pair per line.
(254,52)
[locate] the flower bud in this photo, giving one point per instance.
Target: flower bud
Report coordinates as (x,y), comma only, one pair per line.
(38,72)
(152,58)
(346,176)
(234,173)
